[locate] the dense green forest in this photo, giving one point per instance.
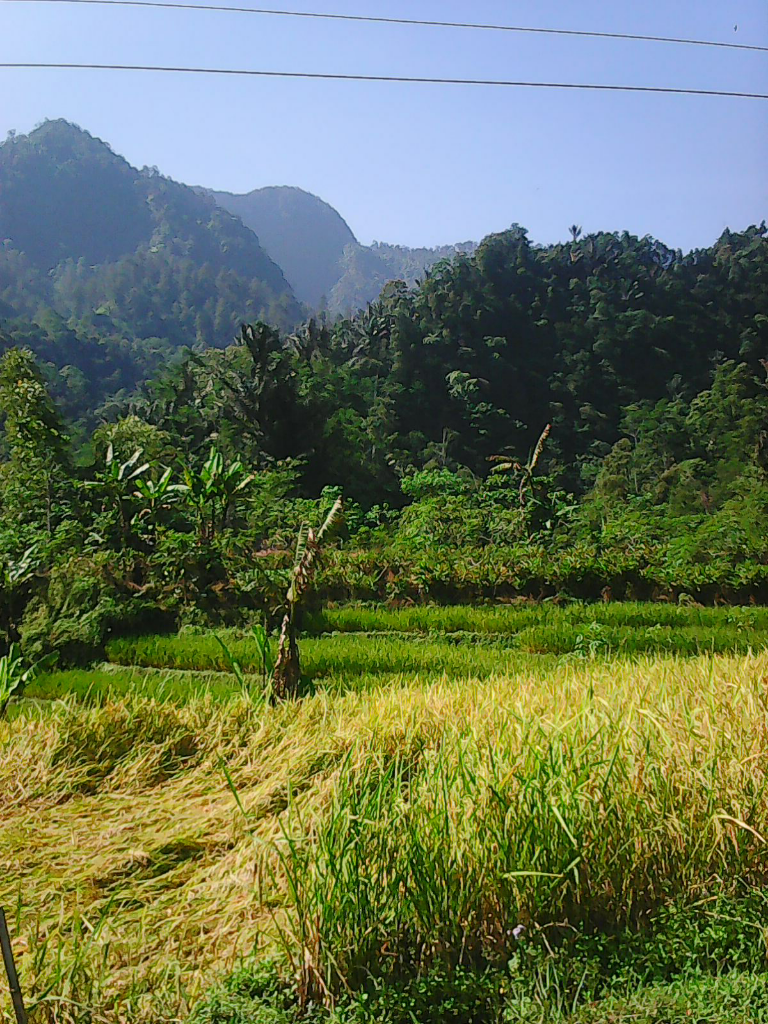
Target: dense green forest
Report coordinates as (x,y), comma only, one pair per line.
(584,418)
(366,269)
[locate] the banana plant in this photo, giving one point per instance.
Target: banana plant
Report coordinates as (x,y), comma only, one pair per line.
(14,575)
(115,482)
(524,470)
(157,496)
(287,668)
(214,489)
(15,675)
(118,473)
(233,480)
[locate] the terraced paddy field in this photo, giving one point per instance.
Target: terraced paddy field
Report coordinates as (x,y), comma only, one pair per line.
(472,814)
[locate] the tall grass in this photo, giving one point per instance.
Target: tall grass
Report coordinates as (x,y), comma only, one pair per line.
(382,831)
(578,806)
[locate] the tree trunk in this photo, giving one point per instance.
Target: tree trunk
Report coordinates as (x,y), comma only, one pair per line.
(287,676)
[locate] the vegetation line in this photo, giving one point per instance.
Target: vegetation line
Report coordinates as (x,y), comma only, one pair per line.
(386,78)
(579,33)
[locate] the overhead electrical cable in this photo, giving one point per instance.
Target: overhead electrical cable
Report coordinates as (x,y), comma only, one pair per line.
(385,78)
(381,20)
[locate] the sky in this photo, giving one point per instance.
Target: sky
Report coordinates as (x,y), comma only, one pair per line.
(424,164)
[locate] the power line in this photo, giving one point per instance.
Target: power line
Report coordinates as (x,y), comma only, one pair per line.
(390,78)
(409,21)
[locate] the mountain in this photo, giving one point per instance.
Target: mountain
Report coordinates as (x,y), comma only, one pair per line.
(85,233)
(303,234)
(321,258)
(109,272)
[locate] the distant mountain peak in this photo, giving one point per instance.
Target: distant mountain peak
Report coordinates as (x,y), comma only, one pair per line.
(61,136)
(301,232)
(318,252)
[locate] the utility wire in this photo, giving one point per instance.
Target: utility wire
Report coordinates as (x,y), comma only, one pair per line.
(408,21)
(390,78)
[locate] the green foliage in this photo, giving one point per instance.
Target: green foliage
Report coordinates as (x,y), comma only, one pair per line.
(85,599)
(16,675)
(214,490)
(254,995)
(650,482)
(130,434)
(16,579)
(260,994)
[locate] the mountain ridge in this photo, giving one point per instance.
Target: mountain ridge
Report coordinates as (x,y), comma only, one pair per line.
(305,235)
(70,207)
(325,264)
(108,271)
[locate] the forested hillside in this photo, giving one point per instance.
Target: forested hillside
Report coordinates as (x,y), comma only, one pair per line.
(108,272)
(120,265)
(367,269)
(529,421)
(598,337)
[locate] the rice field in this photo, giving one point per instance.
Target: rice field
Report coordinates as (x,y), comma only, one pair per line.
(513,618)
(359,642)
(445,815)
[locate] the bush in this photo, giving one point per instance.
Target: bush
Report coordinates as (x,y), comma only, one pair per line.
(84,602)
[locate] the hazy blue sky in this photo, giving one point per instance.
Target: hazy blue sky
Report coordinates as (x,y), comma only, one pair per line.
(421,164)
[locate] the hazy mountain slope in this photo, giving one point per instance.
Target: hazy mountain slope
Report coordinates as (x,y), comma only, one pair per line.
(88,234)
(366,269)
(320,256)
(302,233)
